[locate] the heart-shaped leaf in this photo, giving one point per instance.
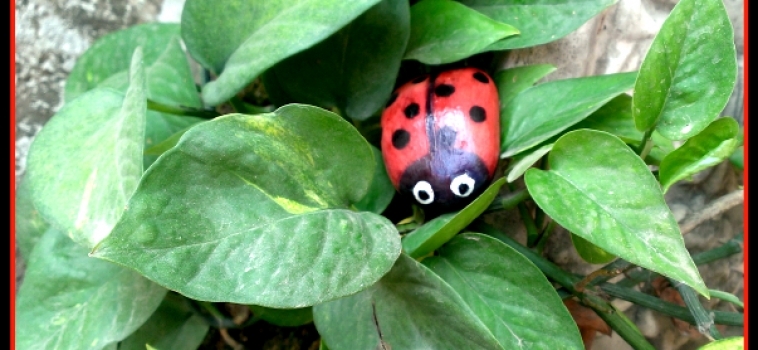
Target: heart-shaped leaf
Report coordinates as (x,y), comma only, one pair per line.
(173,326)
(507,293)
(689,71)
(354,69)
(512,81)
(540,21)
(437,231)
(255,35)
(93,145)
(251,209)
(622,206)
(704,150)
(112,53)
(409,308)
(444,31)
(71,301)
(545,110)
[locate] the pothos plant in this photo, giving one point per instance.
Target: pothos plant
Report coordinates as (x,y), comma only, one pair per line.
(154,194)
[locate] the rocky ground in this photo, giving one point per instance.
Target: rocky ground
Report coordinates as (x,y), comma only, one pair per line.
(51,34)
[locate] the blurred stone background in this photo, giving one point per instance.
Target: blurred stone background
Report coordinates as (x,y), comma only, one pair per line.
(51,34)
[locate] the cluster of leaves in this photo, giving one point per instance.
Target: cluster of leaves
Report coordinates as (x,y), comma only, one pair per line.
(138,186)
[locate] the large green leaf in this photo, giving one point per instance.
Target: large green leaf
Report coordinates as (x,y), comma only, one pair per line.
(173,326)
(545,110)
(689,71)
(409,308)
(437,231)
(444,31)
(355,68)
(112,54)
(381,191)
(510,295)
(731,343)
(71,301)
(255,35)
(600,190)
(512,81)
(615,117)
(704,150)
(86,162)
(540,21)
(251,209)
(29,223)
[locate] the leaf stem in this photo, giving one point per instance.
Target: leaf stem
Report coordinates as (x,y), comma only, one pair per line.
(704,322)
(183,111)
(508,201)
(646,144)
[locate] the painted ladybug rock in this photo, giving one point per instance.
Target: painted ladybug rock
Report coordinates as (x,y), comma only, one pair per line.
(441,137)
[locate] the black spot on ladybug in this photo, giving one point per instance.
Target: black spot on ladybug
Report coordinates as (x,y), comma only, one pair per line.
(463,188)
(444,90)
(419,79)
(400,138)
(446,137)
(423,195)
(392,100)
(481,77)
(412,110)
(477,114)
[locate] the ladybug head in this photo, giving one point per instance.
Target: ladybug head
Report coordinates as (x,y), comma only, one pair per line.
(446,180)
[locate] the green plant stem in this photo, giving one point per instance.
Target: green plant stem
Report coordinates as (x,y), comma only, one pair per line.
(532,233)
(183,111)
(540,247)
(646,144)
(508,201)
(726,297)
(704,322)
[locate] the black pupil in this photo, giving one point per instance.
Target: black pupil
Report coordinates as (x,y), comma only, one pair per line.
(423,195)
(463,188)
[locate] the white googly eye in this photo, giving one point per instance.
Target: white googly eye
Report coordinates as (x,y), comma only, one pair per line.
(423,192)
(462,185)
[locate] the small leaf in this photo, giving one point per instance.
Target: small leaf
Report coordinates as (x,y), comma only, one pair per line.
(409,308)
(94,146)
(29,223)
(71,301)
(252,209)
(354,69)
(253,36)
(512,81)
(283,317)
(506,292)
(436,232)
(545,110)
(689,71)
(623,209)
(445,31)
(381,191)
(590,252)
(173,326)
(540,21)
(731,343)
(520,165)
(704,150)
(112,54)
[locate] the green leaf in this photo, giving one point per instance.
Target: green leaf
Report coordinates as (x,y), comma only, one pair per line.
(255,35)
(436,232)
(381,191)
(507,293)
(445,31)
(615,117)
(545,110)
(520,165)
(354,69)
(622,207)
(731,343)
(162,131)
(283,317)
(93,145)
(112,54)
(71,301)
(251,209)
(30,225)
(661,147)
(409,308)
(689,71)
(540,21)
(738,158)
(172,326)
(704,150)
(590,252)
(512,81)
